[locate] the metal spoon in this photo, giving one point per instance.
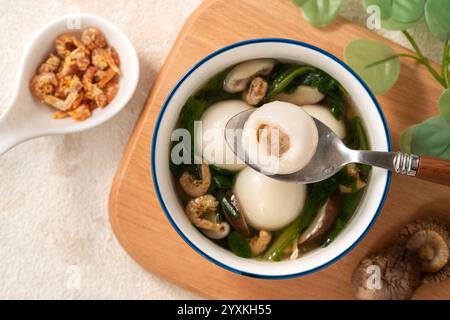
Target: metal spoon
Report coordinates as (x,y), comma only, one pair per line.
(331,155)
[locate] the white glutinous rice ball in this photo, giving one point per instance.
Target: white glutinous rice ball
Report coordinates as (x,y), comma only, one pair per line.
(210,141)
(280,138)
(266,203)
(303,95)
(324,115)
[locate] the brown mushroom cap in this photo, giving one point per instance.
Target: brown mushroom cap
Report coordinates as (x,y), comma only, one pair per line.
(429,238)
(392,274)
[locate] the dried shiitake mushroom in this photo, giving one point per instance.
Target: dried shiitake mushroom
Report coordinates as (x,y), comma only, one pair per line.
(392,274)
(429,239)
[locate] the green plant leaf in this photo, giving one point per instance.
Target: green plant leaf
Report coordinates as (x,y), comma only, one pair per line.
(431,138)
(384,5)
(320,13)
(361,53)
(398,14)
(391,24)
(444,105)
(407,11)
(437,15)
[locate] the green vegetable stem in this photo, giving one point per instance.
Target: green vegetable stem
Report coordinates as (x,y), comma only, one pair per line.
(316,198)
(350,203)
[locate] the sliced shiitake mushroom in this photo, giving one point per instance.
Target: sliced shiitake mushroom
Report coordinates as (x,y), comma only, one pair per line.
(196,185)
(322,223)
(232,213)
(240,76)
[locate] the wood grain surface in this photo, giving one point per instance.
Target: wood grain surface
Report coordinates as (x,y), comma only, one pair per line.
(140,224)
(434,169)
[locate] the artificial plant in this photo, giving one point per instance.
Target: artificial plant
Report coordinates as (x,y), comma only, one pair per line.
(379,65)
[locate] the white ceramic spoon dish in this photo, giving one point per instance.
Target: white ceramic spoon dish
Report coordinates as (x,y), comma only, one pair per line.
(26,118)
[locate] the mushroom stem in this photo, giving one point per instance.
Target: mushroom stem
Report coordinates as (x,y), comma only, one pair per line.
(426,252)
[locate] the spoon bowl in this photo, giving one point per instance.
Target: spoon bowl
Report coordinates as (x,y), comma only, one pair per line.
(332,155)
(26,117)
(329,158)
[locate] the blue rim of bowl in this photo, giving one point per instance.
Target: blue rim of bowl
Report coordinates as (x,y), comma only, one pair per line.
(169,98)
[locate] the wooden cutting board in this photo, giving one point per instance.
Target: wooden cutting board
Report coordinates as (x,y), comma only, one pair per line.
(141,226)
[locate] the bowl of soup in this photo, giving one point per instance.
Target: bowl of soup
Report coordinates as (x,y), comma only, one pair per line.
(238,218)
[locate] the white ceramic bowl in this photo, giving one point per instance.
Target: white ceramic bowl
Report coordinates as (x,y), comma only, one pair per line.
(26,117)
(282,49)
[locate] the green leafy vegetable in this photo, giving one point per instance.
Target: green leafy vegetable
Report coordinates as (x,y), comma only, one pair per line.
(356,138)
(330,88)
(221,171)
(437,15)
(222,182)
(319,13)
(350,203)
(444,105)
(317,196)
(239,245)
(286,79)
(213,92)
(361,53)
(191,112)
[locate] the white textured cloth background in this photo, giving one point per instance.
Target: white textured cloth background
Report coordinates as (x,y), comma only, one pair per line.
(55,237)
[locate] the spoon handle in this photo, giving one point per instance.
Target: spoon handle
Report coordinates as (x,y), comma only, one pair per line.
(434,170)
(423,167)
(11,134)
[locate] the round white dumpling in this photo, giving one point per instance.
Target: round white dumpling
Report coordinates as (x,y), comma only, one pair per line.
(210,141)
(303,95)
(266,203)
(324,115)
(280,138)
